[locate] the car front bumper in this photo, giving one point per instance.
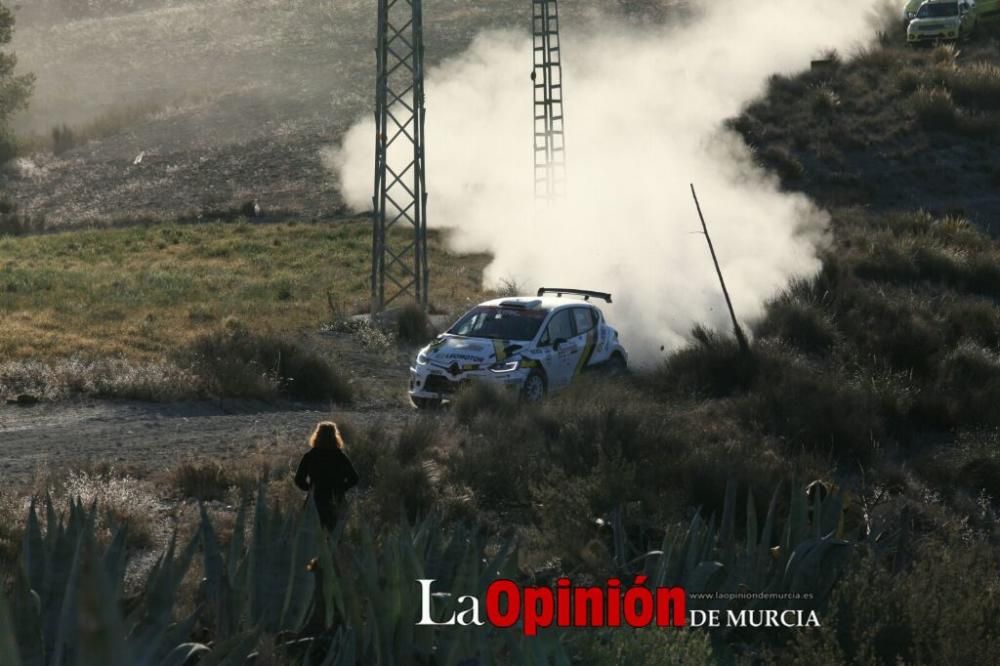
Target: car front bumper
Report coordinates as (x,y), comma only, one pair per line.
(428,381)
(931,36)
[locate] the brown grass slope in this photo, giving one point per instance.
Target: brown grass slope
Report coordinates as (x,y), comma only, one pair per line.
(893,128)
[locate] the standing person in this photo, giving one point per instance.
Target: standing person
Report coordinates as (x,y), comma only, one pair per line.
(327,471)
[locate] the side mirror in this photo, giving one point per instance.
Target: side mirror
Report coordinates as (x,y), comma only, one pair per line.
(558,343)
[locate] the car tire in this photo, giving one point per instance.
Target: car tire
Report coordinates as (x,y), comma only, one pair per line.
(616,366)
(426,404)
(534,387)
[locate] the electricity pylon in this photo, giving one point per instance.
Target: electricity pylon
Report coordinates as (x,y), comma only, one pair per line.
(399,238)
(546,78)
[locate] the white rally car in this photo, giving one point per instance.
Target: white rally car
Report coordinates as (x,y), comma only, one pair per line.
(533,345)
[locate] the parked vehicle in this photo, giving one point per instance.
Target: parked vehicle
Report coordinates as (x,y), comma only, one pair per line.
(942,20)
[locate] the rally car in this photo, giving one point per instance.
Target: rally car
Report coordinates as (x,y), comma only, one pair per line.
(532,345)
(940,20)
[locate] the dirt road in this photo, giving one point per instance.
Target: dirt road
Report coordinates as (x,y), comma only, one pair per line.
(154,435)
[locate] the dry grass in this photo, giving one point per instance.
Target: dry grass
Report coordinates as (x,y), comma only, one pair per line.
(143,293)
(210,480)
(935,108)
(108,377)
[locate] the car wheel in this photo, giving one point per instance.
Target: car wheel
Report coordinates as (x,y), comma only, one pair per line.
(533,389)
(426,403)
(616,366)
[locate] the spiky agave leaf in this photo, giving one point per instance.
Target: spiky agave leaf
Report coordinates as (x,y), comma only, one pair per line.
(216,583)
(100,630)
(8,641)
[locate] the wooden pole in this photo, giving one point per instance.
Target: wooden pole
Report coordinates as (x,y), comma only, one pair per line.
(740,338)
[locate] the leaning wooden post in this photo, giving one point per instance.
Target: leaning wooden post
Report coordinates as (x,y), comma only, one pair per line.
(740,338)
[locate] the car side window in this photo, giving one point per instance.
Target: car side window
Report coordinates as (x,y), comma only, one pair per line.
(560,327)
(584,320)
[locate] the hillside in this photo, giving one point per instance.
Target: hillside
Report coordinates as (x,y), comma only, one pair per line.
(893,129)
(878,378)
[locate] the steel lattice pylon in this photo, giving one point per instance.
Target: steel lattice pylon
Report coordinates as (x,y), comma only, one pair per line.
(399,239)
(550,146)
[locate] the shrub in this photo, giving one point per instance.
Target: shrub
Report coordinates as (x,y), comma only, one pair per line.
(802,325)
(14,90)
(976,86)
(62,139)
(415,439)
(208,481)
(782,160)
(499,457)
(908,80)
(944,54)
(123,500)
(105,378)
(713,366)
(940,610)
(236,363)
(968,387)
(482,398)
(935,108)
(816,411)
(14,223)
(412,325)
(824,101)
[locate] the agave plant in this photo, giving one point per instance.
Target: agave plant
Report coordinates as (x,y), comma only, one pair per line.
(704,558)
(65,607)
(337,602)
(326,600)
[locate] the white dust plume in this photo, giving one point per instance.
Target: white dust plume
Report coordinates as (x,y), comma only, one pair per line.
(644,118)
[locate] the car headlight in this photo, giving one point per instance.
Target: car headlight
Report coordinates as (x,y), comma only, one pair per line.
(508,366)
(422,358)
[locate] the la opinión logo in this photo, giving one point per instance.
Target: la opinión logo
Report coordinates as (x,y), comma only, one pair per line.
(568,605)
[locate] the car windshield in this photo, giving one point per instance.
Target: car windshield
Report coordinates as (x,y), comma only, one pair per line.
(499,323)
(938,10)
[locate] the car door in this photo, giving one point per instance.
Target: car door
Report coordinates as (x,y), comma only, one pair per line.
(560,351)
(586,323)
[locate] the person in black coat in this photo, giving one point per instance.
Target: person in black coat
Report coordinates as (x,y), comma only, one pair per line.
(326,471)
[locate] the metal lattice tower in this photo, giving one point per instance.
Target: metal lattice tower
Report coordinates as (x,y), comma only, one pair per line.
(399,238)
(550,146)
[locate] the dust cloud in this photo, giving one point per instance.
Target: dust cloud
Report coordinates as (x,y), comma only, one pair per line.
(644,111)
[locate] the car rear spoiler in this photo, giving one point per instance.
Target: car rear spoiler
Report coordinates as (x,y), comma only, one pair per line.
(587,295)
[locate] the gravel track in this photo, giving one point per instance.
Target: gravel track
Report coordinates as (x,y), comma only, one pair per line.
(154,436)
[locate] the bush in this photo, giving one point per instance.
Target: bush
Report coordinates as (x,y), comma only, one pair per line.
(412,325)
(14,90)
(815,411)
(123,499)
(713,366)
(13,223)
(650,646)
(976,86)
(482,398)
(62,139)
(107,378)
(782,161)
(908,80)
(940,610)
(236,363)
(824,101)
(968,387)
(208,481)
(935,108)
(802,325)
